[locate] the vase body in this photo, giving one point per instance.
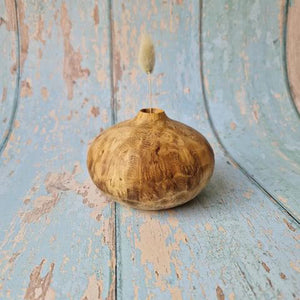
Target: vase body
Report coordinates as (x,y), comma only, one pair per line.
(150,162)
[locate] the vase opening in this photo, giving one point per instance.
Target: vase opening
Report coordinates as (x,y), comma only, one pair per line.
(152,111)
(156,114)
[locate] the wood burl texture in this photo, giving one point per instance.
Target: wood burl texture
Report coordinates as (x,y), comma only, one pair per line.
(151,162)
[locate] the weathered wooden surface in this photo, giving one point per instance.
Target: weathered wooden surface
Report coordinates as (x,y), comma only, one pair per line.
(293,50)
(57,232)
(9,70)
(230,239)
(61,239)
(250,109)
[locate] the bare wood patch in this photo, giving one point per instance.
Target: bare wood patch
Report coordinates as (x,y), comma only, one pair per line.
(72,69)
(96,14)
(4,94)
(293,49)
(289,225)
(10,16)
(220,294)
(266,267)
(39,287)
(26,88)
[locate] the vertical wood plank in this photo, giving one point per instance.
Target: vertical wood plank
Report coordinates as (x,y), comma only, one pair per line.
(247,94)
(9,69)
(56,228)
(231,241)
(293,50)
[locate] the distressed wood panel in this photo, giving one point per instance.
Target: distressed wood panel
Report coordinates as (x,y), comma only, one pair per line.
(231,241)
(249,101)
(293,50)
(56,229)
(9,69)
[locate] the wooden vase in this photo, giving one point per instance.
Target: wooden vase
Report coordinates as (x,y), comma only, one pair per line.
(150,162)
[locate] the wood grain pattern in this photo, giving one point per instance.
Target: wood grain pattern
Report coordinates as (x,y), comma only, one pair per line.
(9,71)
(151,162)
(251,110)
(56,228)
(293,50)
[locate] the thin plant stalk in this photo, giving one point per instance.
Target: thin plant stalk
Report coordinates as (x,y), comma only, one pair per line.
(147,62)
(150,91)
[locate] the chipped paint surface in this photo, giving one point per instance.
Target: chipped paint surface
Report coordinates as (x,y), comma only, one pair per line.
(293,50)
(72,59)
(26,88)
(24,35)
(93,290)
(255,95)
(8,51)
(58,228)
(58,238)
(10,15)
(39,287)
(232,238)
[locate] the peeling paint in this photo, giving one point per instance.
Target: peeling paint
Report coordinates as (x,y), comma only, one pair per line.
(281,17)
(38,36)
(255,110)
(206,85)
(26,88)
(4,94)
(24,36)
(16,124)
(176,293)
(240,98)
(292,49)
(56,184)
(102,76)
(153,246)
(72,69)
(45,93)
(104,116)
(282,276)
(232,126)
(266,267)
(94,289)
(289,225)
(154,249)
(10,16)
(248,194)
(96,14)
(208,227)
(282,199)
(192,242)
(186,90)
(65,261)
(246,64)
(221,229)
(39,287)
(220,294)
(117,71)
(95,111)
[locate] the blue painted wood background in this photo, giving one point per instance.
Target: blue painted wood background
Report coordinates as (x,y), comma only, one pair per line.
(69,70)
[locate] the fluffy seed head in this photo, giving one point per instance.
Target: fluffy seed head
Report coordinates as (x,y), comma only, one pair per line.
(146,54)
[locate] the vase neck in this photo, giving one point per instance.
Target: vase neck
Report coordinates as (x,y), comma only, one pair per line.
(156,114)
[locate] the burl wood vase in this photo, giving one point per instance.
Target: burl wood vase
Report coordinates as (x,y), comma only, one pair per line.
(150,162)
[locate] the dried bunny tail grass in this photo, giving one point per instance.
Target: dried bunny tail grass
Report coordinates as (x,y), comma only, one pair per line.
(146,54)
